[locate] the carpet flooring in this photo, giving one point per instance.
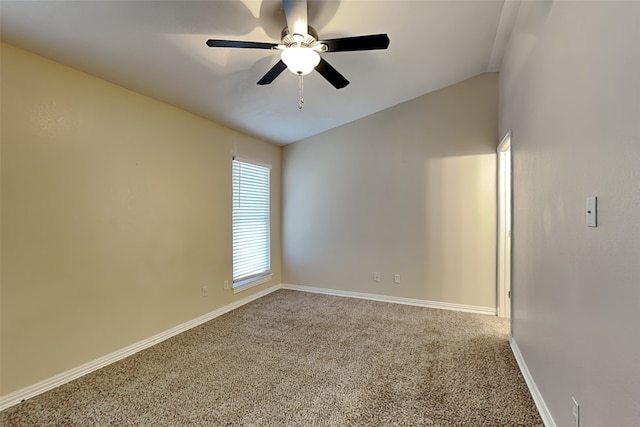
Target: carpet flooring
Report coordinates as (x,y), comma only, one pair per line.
(300,359)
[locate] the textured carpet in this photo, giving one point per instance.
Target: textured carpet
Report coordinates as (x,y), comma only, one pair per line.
(300,359)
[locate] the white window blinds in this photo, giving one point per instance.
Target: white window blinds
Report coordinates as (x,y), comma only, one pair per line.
(251,234)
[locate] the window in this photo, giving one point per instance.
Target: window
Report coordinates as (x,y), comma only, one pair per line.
(251,231)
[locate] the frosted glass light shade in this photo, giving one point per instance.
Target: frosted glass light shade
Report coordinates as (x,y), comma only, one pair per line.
(300,60)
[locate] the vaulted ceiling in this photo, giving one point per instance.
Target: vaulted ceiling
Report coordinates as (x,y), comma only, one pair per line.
(157,48)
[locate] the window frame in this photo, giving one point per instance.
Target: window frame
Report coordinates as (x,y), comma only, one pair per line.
(256,278)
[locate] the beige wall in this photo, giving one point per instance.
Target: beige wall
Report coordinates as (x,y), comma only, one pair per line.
(409,190)
(570,91)
(116,210)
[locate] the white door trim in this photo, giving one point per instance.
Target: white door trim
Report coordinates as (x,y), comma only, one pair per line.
(504,226)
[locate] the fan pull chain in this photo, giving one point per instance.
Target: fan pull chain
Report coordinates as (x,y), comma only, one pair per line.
(300,91)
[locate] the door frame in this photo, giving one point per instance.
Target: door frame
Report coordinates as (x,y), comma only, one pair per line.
(505,225)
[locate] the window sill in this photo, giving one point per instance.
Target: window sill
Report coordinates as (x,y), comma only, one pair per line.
(250,283)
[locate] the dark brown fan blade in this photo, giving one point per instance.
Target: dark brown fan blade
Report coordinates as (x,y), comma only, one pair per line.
(240,44)
(273,73)
(371,42)
(331,74)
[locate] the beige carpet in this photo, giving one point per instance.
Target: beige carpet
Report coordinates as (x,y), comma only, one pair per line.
(301,359)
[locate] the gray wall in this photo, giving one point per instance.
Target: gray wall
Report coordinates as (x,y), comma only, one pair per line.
(409,190)
(570,91)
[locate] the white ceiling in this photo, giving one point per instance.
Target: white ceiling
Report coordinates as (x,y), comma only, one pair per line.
(157,48)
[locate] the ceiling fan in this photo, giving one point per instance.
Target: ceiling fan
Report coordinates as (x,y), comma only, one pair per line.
(301,47)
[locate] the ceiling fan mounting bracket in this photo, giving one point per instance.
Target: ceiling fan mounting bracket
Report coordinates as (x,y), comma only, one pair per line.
(306,40)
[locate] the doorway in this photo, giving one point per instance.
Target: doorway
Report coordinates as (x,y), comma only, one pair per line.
(504,226)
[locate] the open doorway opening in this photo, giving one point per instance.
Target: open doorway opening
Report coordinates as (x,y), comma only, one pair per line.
(504,226)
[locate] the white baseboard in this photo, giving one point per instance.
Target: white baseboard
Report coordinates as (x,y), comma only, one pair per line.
(547,419)
(396,300)
(72,374)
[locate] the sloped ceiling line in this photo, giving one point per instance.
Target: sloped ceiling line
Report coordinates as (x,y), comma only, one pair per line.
(157,48)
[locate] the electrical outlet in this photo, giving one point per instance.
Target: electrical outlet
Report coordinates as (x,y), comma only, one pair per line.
(226,285)
(205,291)
(376,276)
(396,279)
(575,411)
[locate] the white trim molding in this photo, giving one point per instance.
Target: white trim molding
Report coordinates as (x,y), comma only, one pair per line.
(505,143)
(547,419)
(250,283)
(396,300)
(72,374)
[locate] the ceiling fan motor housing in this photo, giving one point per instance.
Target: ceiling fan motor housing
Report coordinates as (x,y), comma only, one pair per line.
(307,40)
(300,47)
